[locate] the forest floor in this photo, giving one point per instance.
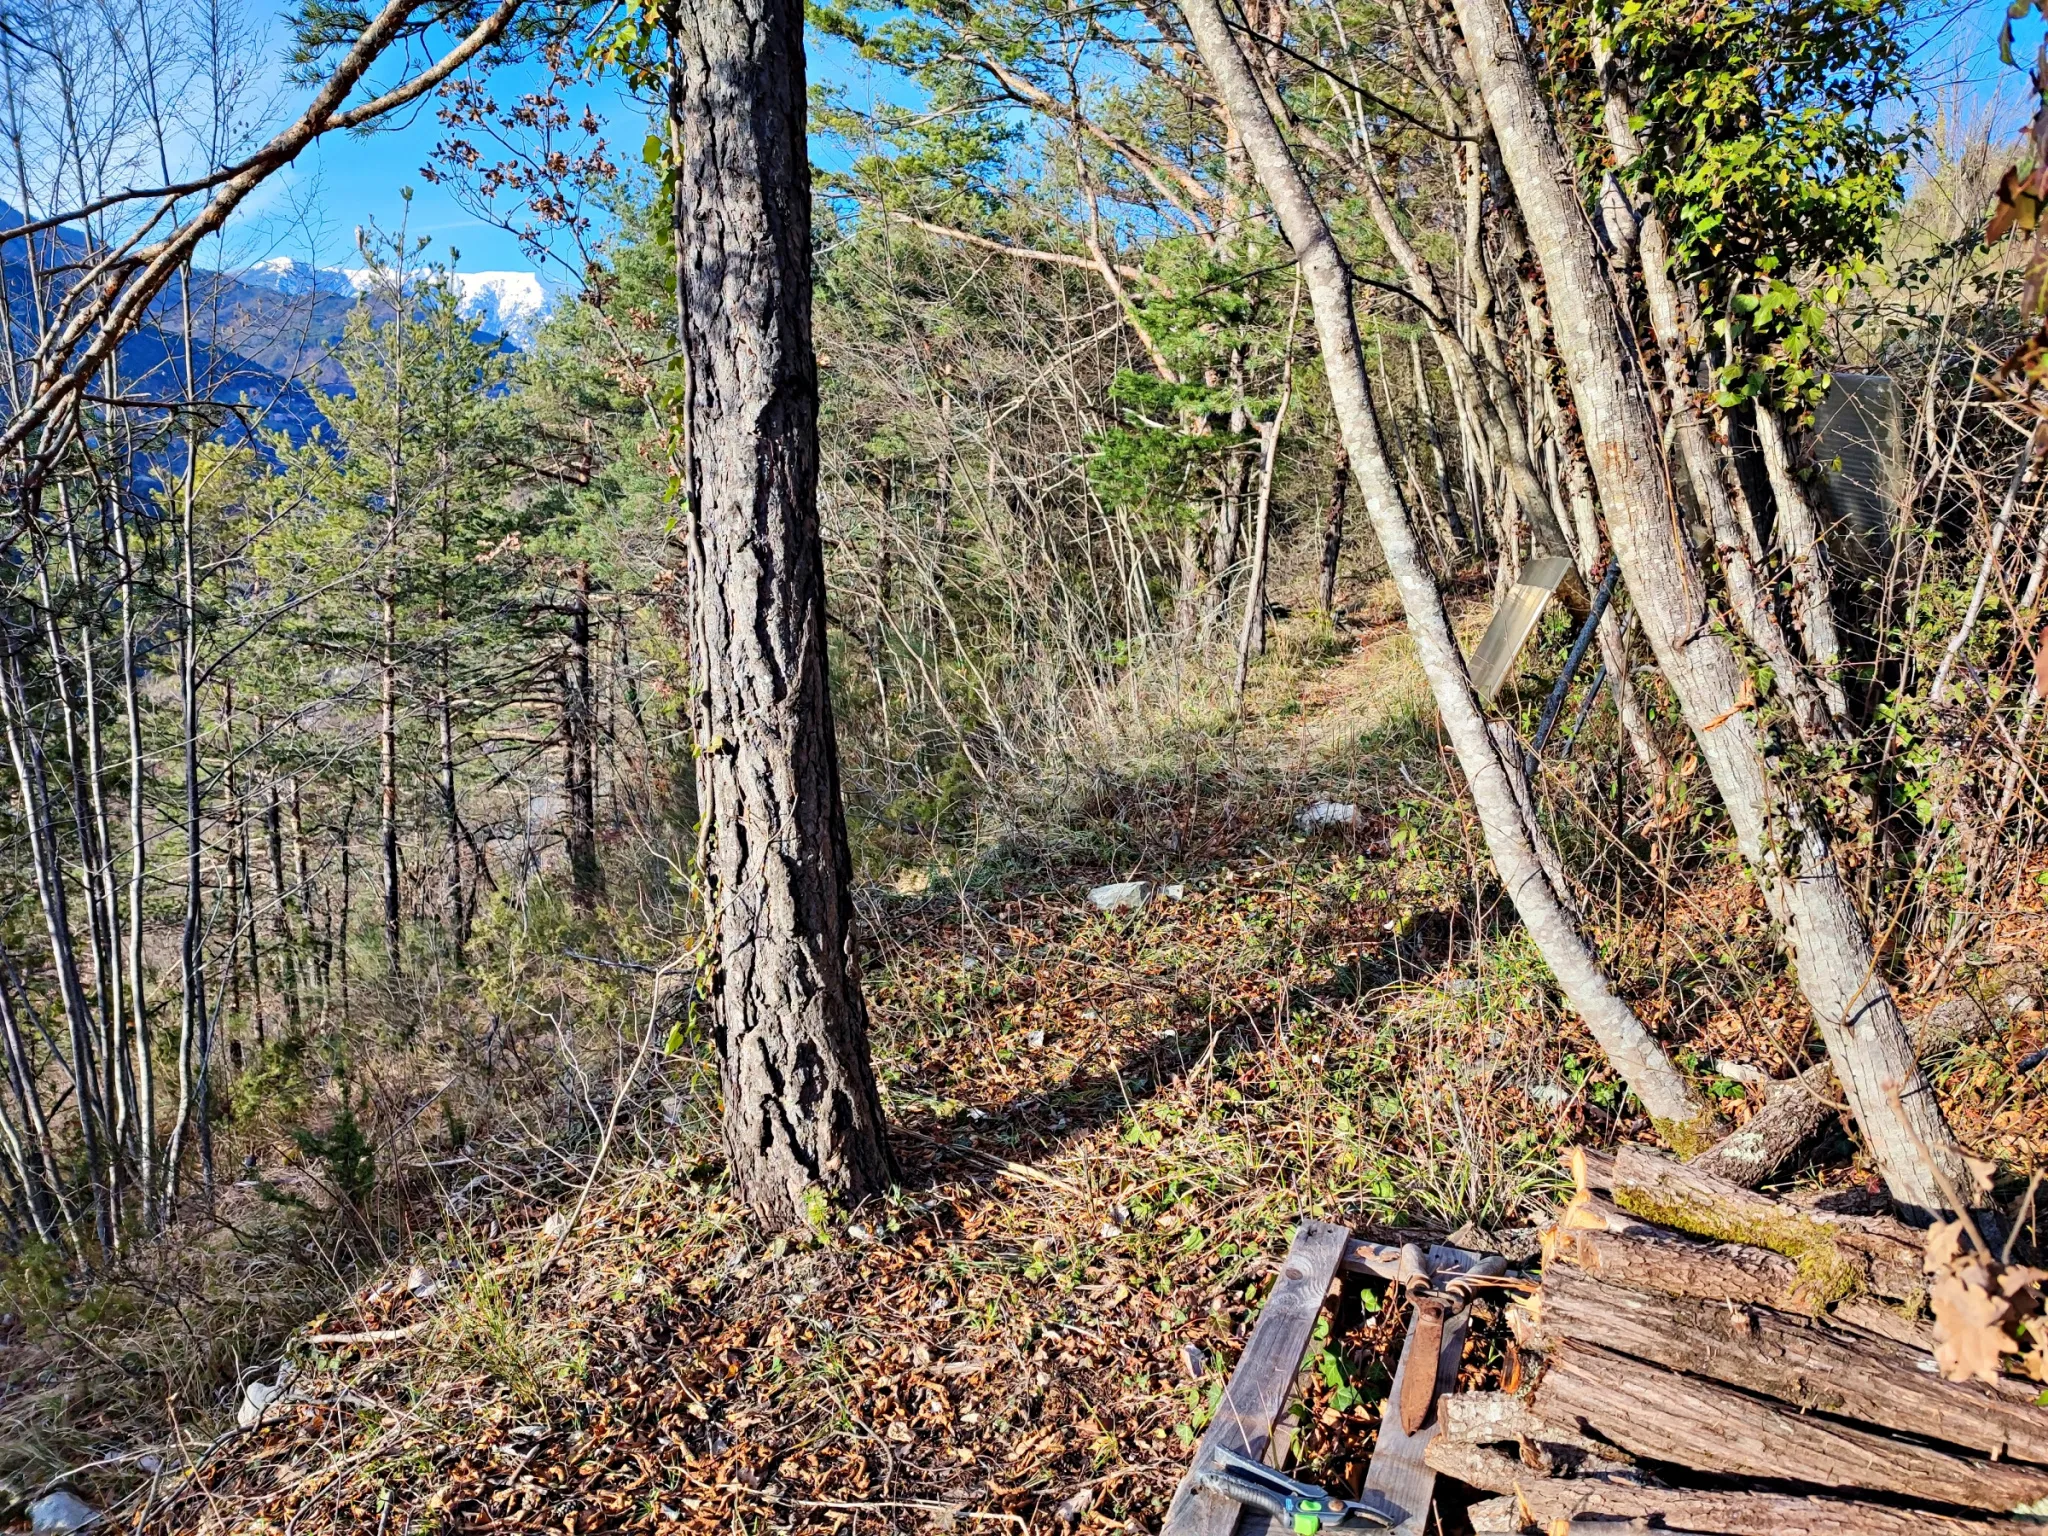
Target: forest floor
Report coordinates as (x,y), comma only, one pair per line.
(1108,1125)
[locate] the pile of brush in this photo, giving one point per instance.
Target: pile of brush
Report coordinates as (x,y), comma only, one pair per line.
(1703,1358)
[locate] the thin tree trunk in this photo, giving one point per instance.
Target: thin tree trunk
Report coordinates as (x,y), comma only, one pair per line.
(1251,632)
(1436,447)
(1813,598)
(306,897)
(1634,1052)
(1629,709)
(50,1212)
(1481,381)
(579,758)
(451,812)
(240,876)
(194,1019)
(387,749)
(1791,856)
(1708,467)
(1251,638)
(46,867)
(281,919)
(1333,525)
(96,871)
(347,896)
(141,1042)
(803,1120)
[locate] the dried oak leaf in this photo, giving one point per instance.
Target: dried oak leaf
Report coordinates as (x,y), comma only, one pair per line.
(1980,1306)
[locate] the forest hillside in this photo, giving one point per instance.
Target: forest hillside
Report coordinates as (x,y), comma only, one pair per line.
(767,864)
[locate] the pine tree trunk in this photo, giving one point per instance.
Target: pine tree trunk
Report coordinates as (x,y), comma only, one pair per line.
(341,937)
(1634,1051)
(1790,854)
(580,758)
(803,1119)
(281,918)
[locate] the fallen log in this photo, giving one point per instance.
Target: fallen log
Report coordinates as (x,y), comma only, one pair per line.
(1492,1418)
(1794,1110)
(1503,1418)
(1837,1255)
(1874,1316)
(1812,1364)
(1540,1501)
(1663,1416)
(1658,1261)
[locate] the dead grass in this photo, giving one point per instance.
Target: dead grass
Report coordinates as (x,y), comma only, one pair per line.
(1108,1126)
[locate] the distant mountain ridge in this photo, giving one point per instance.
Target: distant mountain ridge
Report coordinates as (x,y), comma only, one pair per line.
(506,304)
(262,337)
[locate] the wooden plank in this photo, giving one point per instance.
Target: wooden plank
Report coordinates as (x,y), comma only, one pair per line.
(1264,1379)
(1398,1479)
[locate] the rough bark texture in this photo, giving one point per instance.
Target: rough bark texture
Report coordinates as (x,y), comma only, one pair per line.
(579,750)
(1797,1107)
(1710,1271)
(1791,855)
(802,1119)
(1805,551)
(1673,321)
(1689,1509)
(1333,531)
(1664,1416)
(1591,554)
(1635,1053)
(1807,1362)
(1837,1255)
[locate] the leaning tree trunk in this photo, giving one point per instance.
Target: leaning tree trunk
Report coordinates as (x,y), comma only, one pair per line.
(1635,1053)
(803,1120)
(1673,323)
(1788,850)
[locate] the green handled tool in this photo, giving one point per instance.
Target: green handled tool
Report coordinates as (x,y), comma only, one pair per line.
(1306,1508)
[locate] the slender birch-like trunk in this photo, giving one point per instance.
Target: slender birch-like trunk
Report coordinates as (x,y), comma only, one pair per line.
(1787,849)
(1635,1053)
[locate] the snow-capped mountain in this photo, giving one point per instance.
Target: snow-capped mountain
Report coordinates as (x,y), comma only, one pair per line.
(263,336)
(507,304)
(296,279)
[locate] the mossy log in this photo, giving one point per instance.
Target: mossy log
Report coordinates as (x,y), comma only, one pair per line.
(1812,1364)
(1837,1256)
(1658,1261)
(1663,1416)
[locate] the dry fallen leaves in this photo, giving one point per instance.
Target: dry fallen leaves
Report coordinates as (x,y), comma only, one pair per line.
(1982,1308)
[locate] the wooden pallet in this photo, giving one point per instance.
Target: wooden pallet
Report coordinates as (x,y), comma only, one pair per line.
(1248,1418)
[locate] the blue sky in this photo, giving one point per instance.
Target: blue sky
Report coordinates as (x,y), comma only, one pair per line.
(341,182)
